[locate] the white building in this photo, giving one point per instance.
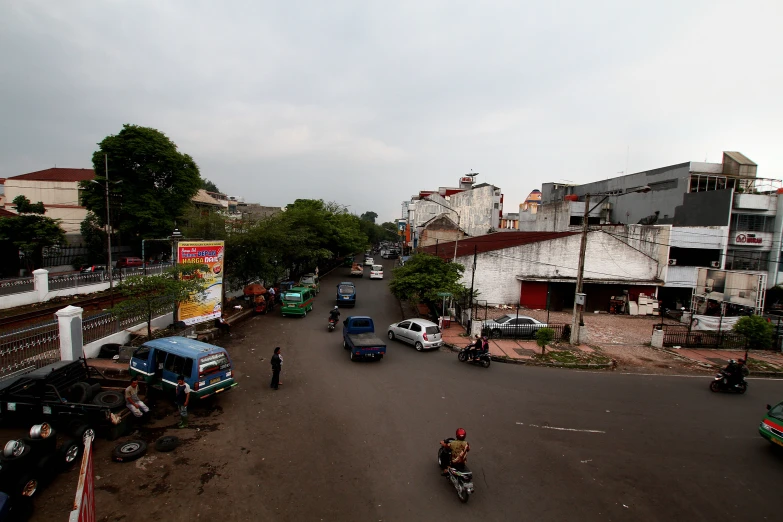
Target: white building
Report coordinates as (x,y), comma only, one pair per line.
(58,189)
(524,267)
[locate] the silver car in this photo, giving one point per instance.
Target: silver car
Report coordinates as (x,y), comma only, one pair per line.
(512,325)
(422,334)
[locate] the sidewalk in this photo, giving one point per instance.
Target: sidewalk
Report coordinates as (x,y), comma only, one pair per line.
(515,349)
(760,361)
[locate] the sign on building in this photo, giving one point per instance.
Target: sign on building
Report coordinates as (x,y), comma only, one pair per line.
(208,253)
(746,289)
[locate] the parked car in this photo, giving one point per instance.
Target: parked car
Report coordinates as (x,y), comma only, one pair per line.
(129,262)
(310,281)
(511,325)
(391,255)
(368,261)
(376,272)
(422,334)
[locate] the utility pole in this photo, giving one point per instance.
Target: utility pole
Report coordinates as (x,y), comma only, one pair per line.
(576,319)
(108,230)
(472,279)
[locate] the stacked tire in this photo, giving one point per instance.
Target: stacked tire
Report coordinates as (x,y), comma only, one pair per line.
(29,464)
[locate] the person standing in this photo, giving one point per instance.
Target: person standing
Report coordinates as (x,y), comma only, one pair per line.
(272,296)
(182,398)
(132,400)
(277,365)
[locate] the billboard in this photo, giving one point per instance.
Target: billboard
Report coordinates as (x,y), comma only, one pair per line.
(746,289)
(208,253)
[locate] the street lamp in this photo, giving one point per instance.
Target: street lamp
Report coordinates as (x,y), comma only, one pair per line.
(108,224)
(578,308)
(456,242)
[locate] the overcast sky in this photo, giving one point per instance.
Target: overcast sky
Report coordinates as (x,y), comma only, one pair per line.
(366,103)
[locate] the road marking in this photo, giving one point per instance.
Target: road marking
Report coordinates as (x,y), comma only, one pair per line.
(679,375)
(559,429)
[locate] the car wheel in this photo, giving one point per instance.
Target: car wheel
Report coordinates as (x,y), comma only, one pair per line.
(69,453)
(167,443)
(390,335)
(496,333)
(42,446)
(419,347)
(345,345)
(353,357)
(128,451)
(28,484)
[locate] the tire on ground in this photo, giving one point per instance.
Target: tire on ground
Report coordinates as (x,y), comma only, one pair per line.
(167,443)
(129,451)
(110,399)
(41,447)
(109,350)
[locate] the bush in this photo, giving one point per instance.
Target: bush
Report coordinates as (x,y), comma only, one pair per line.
(544,336)
(757,331)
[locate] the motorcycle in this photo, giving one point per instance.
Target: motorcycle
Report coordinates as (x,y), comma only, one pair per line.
(462,480)
(332,324)
(721,384)
(482,359)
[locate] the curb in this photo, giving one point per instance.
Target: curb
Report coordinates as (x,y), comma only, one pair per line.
(528,362)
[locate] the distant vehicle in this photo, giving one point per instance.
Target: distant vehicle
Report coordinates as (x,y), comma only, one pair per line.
(771,427)
(129,262)
(512,326)
(357,270)
(391,254)
(311,281)
(368,261)
(346,294)
(376,272)
(359,337)
(422,334)
(88,269)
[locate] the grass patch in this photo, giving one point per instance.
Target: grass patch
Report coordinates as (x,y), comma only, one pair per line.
(571,357)
(757,365)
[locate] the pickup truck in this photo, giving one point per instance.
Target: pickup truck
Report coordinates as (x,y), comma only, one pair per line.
(359,337)
(357,270)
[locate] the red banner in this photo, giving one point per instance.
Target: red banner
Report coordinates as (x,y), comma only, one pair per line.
(84,505)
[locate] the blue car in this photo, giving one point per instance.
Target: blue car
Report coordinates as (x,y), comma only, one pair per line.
(346,294)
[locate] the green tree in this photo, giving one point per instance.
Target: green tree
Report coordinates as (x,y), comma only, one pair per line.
(30,231)
(390,231)
(204,224)
(758,332)
(157,182)
(151,294)
(544,336)
(369,216)
(424,275)
(209,186)
(94,238)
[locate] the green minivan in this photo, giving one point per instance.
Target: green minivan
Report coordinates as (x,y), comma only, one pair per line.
(297,301)
(771,427)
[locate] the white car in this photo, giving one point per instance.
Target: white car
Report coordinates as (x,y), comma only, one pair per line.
(422,334)
(376,272)
(368,261)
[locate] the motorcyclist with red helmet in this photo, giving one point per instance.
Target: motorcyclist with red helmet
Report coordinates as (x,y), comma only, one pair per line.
(457,451)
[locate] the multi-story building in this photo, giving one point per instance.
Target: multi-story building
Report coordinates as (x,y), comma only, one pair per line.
(475,209)
(721,216)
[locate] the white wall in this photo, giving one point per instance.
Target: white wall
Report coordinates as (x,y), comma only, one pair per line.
(61,199)
(608,258)
(92,349)
(477,209)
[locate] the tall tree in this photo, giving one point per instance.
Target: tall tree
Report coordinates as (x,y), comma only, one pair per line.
(209,186)
(94,238)
(369,216)
(155,293)
(30,231)
(157,182)
(424,275)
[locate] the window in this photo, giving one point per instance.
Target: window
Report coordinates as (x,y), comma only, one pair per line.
(704,182)
(213,363)
(404,325)
(752,223)
(174,363)
(432,330)
(415,327)
(143,353)
(746,260)
(346,289)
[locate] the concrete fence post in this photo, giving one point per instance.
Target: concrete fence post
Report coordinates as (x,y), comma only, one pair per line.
(41,283)
(657,339)
(71,341)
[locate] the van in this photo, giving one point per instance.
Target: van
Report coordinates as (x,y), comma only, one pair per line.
(128,262)
(297,301)
(376,272)
(207,368)
(310,281)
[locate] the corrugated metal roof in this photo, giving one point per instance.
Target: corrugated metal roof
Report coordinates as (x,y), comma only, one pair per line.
(492,242)
(58,174)
(740,158)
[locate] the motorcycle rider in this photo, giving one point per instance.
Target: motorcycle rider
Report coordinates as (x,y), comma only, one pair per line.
(474,347)
(735,371)
(334,314)
(457,451)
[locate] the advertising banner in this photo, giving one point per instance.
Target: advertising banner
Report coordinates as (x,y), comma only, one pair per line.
(208,253)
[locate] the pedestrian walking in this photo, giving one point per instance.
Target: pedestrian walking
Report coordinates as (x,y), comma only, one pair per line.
(277,365)
(182,398)
(132,400)
(272,294)
(316,270)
